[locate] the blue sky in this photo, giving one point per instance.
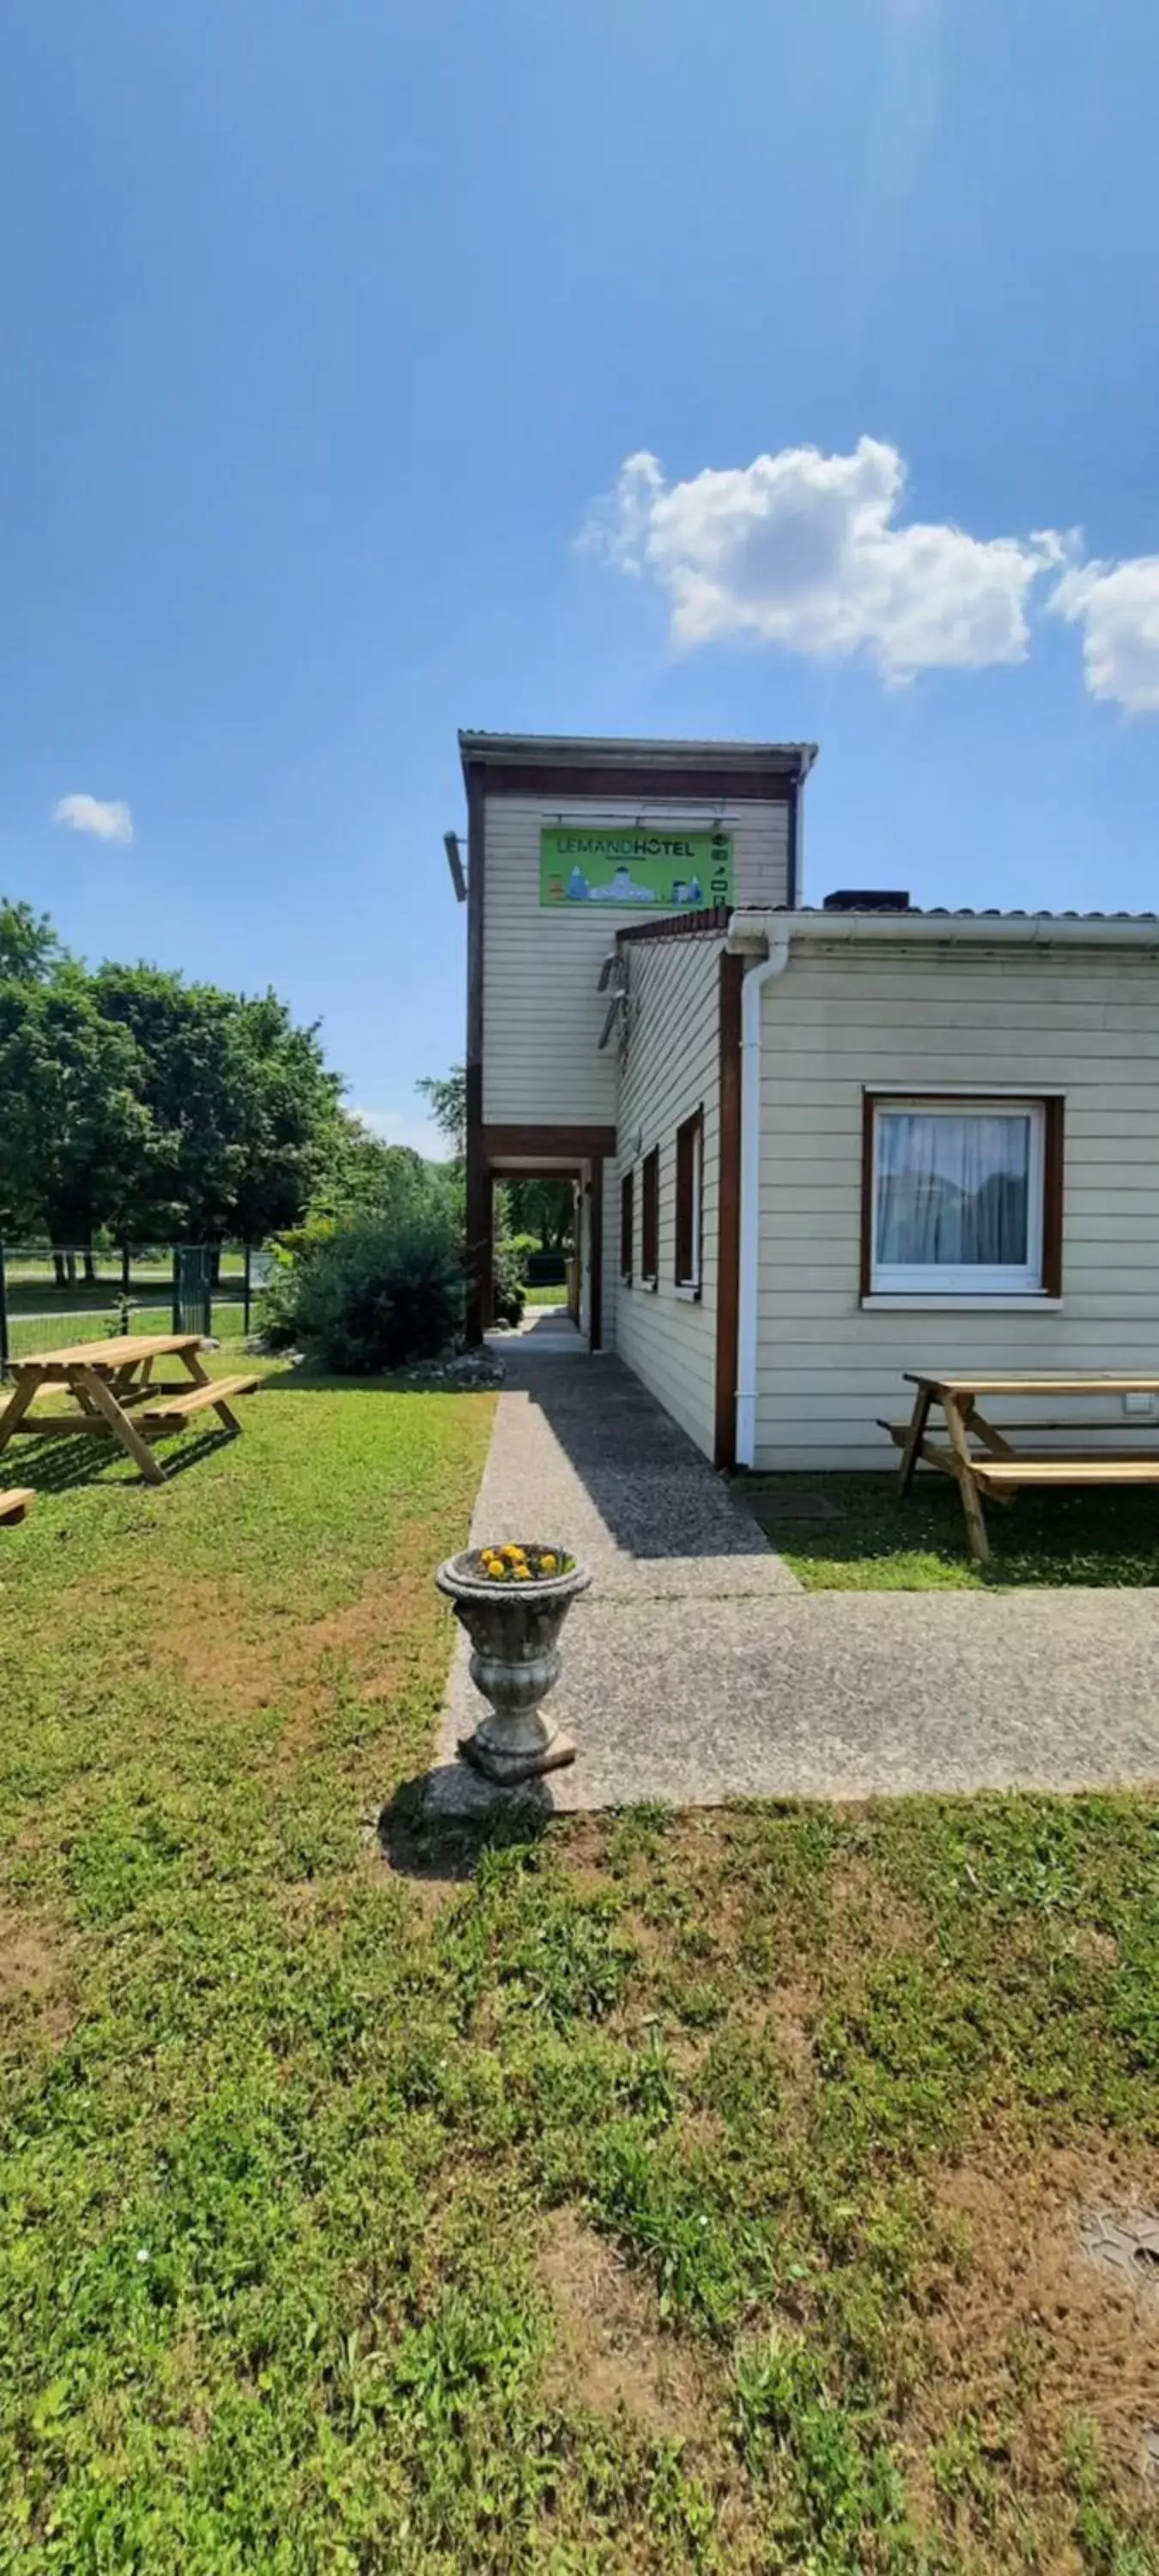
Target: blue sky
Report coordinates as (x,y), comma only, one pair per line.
(325,331)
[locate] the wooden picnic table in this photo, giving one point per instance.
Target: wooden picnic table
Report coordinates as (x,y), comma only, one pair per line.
(996,1467)
(116,1396)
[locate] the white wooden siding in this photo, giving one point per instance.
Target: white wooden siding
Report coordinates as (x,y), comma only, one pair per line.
(670,1068)
(1081,1023)
(542,1012)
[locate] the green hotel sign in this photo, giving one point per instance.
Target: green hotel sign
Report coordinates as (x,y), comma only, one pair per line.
(634,866)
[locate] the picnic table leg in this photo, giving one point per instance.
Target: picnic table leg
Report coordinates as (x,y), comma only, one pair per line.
(914,1439)
(133,1377)
(17,1405)
(967,1482)
(200,1377)
(86,1382)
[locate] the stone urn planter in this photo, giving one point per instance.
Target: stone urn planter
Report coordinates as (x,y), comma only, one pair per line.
(513,1606)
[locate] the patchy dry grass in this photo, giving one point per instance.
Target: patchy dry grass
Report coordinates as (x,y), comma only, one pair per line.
(635,2194)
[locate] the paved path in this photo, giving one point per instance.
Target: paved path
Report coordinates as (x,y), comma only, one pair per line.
(697,1669)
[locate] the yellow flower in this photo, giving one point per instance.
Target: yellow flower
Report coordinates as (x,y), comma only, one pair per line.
(494,1574)
(547,1563)
(522,1573)
(513,1554)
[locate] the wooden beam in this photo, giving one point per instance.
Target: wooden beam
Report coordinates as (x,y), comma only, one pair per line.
(771,784)
(574,1144)
(596,1306)
(479,1247)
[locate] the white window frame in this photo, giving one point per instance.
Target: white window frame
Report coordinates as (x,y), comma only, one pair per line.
(968,1279)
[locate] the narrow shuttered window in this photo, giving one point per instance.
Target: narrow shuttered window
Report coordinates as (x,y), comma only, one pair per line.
(627,1218)
(689,1190)
(649,1215)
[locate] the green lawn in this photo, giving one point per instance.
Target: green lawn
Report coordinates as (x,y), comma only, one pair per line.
(877,1544)
(546,1296)
(637,2194)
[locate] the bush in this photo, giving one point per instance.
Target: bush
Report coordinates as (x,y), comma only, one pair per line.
(507,1275)
(276,1309)
(374,1294)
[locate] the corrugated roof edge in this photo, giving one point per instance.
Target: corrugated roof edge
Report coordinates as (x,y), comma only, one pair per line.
(948,912)
(712,922)
(797,758)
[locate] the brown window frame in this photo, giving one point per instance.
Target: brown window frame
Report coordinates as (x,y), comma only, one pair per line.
(627,1227)
(688,1267)
(1053,1109)
(650,1219)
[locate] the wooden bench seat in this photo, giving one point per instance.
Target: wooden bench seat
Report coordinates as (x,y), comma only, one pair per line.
(174,1410)
(16,1502)
(1125,1469)
(984,1462)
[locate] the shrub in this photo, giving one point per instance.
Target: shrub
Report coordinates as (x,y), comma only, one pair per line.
(276,1309)
(508,1276)
(376,1293)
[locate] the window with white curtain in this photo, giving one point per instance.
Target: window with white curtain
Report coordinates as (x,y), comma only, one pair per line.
(957,1202)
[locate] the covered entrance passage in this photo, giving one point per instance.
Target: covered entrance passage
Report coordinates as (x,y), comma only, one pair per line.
(573,1154)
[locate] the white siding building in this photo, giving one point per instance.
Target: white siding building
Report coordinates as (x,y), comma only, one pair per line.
(815,1149)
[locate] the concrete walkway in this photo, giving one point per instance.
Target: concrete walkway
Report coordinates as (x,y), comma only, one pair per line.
(697,1669)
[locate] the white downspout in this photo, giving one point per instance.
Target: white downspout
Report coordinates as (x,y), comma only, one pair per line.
(752,993)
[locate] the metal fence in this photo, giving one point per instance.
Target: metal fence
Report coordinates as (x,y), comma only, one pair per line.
(54,1293)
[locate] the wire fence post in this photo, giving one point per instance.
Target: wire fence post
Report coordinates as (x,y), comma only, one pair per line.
(126,1270)
(176,1291)
(245,1295)
(3,1318)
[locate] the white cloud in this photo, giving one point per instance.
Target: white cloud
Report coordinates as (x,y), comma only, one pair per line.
(1117,606)
(112,822)
(805,551)
(420,1134)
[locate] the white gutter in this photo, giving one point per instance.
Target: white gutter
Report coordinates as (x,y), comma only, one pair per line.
(777,932)
(946,929)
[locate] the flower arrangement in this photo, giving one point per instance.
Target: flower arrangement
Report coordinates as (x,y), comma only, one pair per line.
(511,1563)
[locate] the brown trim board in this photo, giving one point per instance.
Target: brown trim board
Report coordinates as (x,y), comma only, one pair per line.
(560,1144)
(479,1256)
(728,1213)
(793,868)
(596,1230)
(869,1100)
(710,785)
(1053,1192)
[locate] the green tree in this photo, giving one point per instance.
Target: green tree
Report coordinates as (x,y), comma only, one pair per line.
(447,1094)
(74,1130)
(358,1171)
(30,951)
(545,1208)
(242,1106)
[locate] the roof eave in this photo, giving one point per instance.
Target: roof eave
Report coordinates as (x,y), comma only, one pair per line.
(750,931)
(581,751)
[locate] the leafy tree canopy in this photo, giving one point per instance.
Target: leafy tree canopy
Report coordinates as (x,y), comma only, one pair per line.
(447,1094)
(29,947)
(132,1100)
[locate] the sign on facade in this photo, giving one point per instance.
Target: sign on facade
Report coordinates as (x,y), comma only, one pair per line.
(635,867)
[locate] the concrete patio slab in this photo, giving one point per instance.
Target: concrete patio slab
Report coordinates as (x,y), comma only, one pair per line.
(698,1670)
